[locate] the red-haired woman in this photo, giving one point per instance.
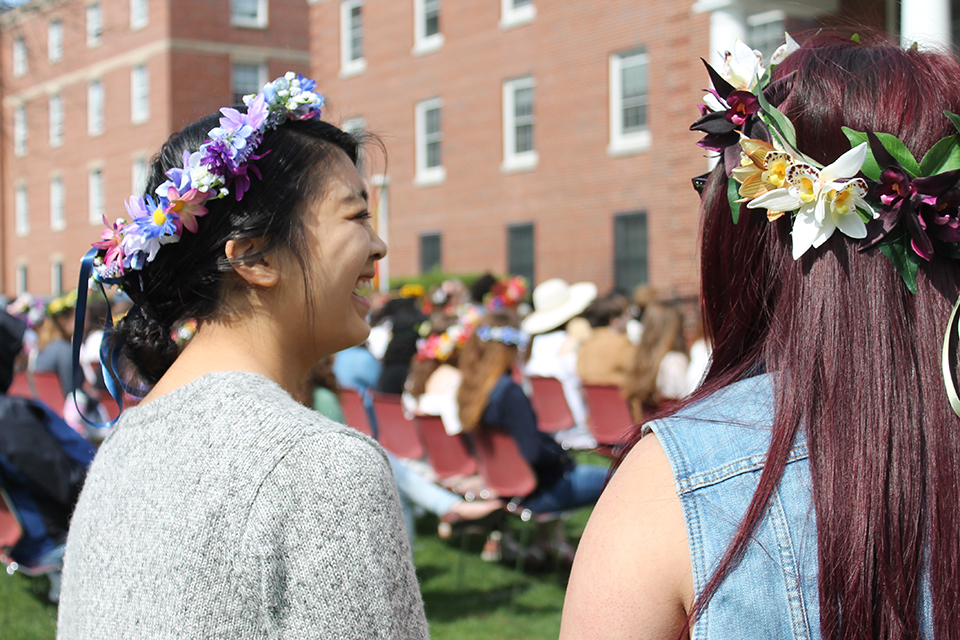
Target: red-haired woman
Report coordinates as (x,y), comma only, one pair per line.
(810,487)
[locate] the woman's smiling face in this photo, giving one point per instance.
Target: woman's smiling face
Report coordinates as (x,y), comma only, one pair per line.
(342,249)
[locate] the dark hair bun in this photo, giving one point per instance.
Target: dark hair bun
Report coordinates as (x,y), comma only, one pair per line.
(148,343)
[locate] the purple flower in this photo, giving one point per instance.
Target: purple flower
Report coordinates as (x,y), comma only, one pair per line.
(217,157)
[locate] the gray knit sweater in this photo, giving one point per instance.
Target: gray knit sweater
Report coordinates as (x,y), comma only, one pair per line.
(225,509)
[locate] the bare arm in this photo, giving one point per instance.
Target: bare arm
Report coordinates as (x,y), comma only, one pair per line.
(632,576)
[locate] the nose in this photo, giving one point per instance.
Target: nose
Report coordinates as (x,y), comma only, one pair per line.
(378,248)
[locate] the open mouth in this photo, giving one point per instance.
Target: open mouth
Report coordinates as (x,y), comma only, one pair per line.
(363,288)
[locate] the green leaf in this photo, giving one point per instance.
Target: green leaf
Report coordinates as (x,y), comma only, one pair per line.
(899,151)
(954,118)
(943,156)
(856,38)
(779,121)
(733,194)
(870,167)
(904,259)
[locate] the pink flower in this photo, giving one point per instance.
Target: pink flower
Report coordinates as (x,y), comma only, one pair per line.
(188,206)
(110,241)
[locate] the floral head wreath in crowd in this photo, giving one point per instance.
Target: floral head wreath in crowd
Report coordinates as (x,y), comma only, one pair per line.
(506,293)
(441,346)
(907,208)
(505,335)
(221,166)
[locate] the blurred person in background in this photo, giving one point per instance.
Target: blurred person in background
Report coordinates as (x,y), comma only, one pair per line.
(607,354)
(658,372)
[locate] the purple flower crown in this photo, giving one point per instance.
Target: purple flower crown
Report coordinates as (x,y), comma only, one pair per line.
(221,165)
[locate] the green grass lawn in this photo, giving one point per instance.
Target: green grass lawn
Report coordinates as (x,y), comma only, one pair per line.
(492,601)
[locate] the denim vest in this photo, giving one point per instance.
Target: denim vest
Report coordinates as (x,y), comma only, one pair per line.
(716,450)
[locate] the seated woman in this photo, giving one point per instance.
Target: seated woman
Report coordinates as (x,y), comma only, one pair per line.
(490,399)
(809,488)
(659,364)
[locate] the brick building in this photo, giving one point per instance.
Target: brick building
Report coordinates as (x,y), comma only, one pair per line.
(91,88)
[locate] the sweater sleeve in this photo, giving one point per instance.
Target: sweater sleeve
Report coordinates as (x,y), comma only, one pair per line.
(327,552)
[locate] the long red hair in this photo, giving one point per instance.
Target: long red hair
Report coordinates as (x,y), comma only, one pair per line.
(857,355)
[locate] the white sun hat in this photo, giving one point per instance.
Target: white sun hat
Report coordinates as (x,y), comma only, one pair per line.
(555,302)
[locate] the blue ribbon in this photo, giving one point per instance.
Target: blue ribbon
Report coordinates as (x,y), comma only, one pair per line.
(109,354)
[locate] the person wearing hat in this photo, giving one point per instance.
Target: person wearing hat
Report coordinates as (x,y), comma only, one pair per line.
(552,353)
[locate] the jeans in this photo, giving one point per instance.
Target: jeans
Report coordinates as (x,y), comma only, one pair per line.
(579,487)
(414,489)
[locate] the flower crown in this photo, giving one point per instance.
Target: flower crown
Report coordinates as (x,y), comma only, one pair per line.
(909,209)
(441,346)
(506,335)
(505,293)
(220,166)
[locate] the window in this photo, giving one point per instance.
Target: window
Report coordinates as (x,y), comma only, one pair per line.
(139,94)
(95,195)
(138,175)
(56,276)
(514,13)
(426,26)
(357,128)
(520,250)
(429,137)
(19,56)
(518,150)
(55,112)
(94,24)
(95,107)
(21,211)
(352,61)
(248,13)
(247,78)
(21,278)
(57,220)
(20,131)
(54,40)
(629,250)
(629,130)
(139,14)
(765,31)
(429,252)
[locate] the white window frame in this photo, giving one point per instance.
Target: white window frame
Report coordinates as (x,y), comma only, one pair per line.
(58,219)
(625,143)
(422,43)
(55,40)
(261,77)
(19,57)
(94,24)
(428,176)
(259,21)
(512,16)
(21,210)
(350,66)
(21,277)
(512,160)
(55,118)
(95,199)
(20,131)
(138,174)
(139,14)
(95,103)
(139,93)
(56,275)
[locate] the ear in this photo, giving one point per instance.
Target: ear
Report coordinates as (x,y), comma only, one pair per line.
(258,270)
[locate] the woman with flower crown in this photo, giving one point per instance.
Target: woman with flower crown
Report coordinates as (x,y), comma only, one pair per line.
(220,507)
(809,488)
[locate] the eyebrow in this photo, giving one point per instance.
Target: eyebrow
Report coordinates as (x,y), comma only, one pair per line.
(359,194)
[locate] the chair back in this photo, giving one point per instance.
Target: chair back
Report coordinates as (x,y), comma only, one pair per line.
(502,467)
(39,385)
(351,403)
(553,413)
(447,454)
(610,418)
(395,433)
(20,387)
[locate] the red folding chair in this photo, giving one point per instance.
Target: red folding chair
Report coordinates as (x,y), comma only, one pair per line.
(610,418)
(20,387)
(351,403)
(39,385)
(395,433)
(447,454)
(501,465)
(553,413)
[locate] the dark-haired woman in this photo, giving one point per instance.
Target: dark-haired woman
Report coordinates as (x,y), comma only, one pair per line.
(809,488)
(221,507)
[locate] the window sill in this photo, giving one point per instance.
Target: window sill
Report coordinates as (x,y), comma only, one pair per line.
(518,17)
(353,68)
(430,177)
(520,163)
(629,145)
(249,24)
(22,232)
(60,226)
(428,45)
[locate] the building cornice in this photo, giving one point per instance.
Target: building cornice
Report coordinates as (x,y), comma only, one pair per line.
(17,15)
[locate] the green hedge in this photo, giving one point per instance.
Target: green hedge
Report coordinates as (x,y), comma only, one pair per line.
(434,278)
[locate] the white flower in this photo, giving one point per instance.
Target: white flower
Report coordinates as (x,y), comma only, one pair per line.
(789,46)
(742,67)
(825,200)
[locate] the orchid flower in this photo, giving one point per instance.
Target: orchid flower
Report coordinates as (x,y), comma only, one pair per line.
(762,169)
(824,200)
(743,66)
